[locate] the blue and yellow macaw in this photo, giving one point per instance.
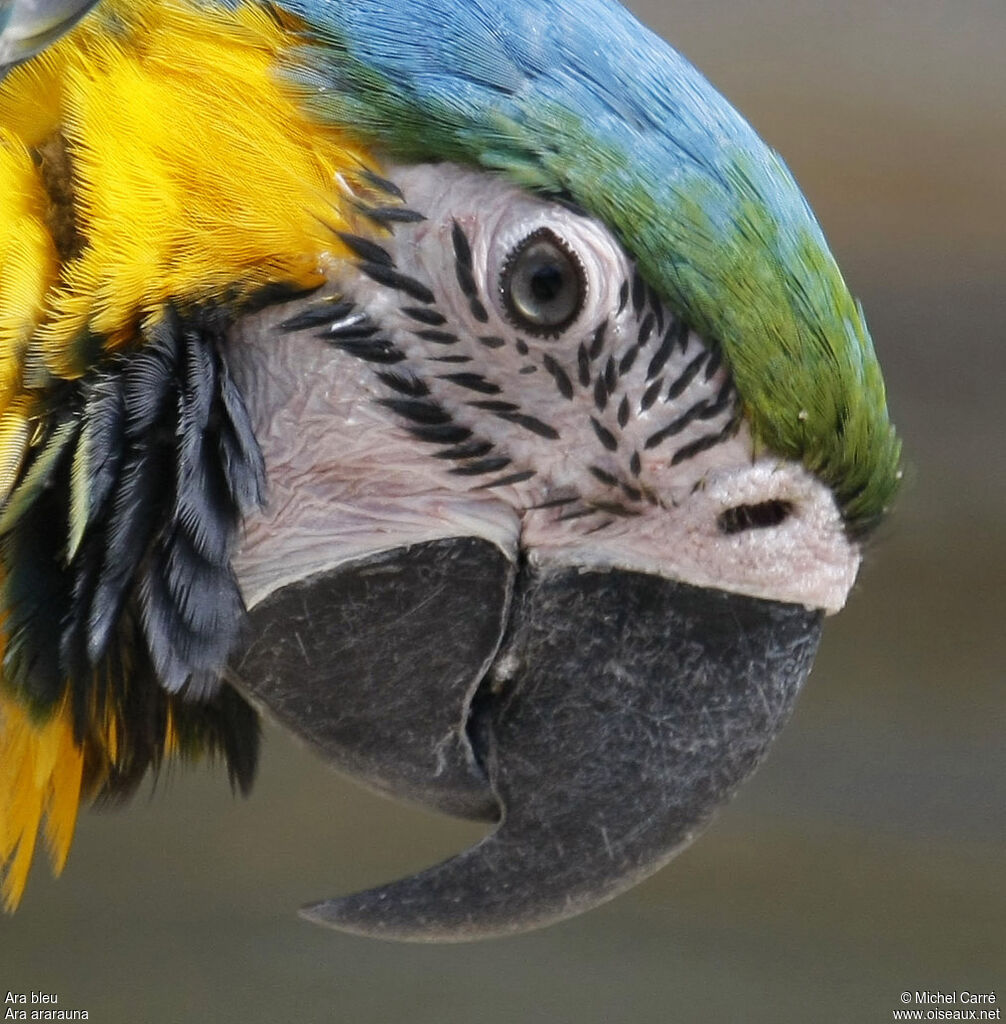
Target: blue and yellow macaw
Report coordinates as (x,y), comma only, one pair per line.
(462,381)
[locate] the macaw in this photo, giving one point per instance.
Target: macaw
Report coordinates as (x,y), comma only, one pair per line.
(462,382)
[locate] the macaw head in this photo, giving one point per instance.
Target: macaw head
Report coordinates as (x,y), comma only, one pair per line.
(465,383)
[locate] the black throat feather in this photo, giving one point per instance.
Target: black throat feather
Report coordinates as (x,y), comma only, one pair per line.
(116,546)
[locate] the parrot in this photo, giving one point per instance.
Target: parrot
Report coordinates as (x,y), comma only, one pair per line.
(462,384)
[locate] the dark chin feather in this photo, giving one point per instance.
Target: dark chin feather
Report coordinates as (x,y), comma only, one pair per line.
(116,548)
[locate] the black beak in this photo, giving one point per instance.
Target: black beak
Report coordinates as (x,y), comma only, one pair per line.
(601,716)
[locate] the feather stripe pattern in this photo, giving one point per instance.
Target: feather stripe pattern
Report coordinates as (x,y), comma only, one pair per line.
(632,134)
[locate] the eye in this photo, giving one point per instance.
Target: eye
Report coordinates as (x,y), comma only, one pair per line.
(542,284)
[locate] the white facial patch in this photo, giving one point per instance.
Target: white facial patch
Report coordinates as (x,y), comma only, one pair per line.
(498,368)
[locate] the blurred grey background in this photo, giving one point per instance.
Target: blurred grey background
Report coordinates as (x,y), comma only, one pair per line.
(867,856)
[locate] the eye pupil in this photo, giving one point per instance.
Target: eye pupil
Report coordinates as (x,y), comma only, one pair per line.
(542,284)
(546,283)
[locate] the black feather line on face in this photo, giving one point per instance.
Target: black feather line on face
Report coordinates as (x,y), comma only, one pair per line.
(118,587)
(388,216)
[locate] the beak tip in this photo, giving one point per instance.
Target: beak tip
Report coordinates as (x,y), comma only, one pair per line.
(372,915)
(314,913)
(344,914)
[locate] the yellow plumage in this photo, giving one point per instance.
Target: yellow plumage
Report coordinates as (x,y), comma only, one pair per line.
(40,783)
(152,155)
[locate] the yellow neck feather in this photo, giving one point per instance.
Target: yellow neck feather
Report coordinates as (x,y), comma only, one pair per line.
(193,173)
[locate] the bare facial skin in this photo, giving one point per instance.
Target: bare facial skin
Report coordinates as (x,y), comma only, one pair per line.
(430,406)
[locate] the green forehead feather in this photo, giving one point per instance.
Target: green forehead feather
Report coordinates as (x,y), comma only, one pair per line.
(577,97)
(795,338)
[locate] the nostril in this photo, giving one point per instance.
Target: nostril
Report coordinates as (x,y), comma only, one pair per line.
(761,516)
